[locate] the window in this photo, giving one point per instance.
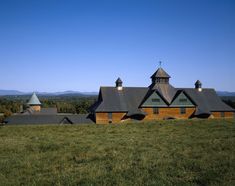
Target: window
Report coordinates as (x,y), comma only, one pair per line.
(183,100)
(222,114)
(182,110)
(110,115)
(156,100)
(155,111)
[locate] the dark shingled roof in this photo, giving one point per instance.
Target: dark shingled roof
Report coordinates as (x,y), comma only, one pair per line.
(43,111)
(166,90)
(48,111)
(47,119)
(80,118)
(207,101)
(160,73)
(126,100)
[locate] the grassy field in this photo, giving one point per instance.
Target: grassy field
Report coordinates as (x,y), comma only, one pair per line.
(192,152)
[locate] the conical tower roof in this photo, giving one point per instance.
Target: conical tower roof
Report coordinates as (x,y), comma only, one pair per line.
(160,73)
(34,100)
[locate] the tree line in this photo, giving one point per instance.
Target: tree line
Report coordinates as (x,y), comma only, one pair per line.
(64,104)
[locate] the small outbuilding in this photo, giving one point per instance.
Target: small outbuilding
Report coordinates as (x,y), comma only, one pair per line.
(36,115)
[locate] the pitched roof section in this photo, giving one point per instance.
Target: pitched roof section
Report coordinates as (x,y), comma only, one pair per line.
(207,101)
(166,90)
(160,73)
(34,100)
(43,111)
(127,100)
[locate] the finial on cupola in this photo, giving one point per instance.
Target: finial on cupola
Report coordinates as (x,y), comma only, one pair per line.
(198,85)
(119,84)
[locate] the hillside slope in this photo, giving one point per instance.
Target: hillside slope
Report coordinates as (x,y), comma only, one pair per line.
(190,152)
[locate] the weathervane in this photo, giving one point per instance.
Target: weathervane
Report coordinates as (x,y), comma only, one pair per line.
(160,64)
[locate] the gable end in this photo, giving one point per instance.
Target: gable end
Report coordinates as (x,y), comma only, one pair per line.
(182,100)
(154,100)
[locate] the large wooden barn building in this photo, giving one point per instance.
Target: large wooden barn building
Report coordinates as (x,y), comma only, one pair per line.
(158,101)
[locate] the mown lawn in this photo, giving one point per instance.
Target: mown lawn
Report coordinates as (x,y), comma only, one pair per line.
(192,152)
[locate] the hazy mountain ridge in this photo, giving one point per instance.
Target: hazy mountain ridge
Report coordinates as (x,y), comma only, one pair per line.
(69,92)
(225,93)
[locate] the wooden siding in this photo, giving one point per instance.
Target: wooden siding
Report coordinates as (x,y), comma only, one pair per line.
(226,114)
(36,108)
(167,112)
(102,118)
(229,114)
(216,114)
(117,117)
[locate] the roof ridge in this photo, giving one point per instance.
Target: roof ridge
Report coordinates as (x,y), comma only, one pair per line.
(123,87)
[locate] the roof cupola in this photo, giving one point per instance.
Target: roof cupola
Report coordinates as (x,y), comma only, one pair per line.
(119,84)
(160,76)
(198,85)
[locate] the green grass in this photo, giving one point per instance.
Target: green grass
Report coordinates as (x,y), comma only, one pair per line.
(190,152)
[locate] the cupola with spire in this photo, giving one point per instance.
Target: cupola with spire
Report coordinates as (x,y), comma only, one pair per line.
(160,82)
(119,84)
(34,103)
(198,85)
(160,76)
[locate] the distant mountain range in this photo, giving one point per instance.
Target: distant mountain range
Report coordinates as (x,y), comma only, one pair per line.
(225,93)
(76,93)
(64,93)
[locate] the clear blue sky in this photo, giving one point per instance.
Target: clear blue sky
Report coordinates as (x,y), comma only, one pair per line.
(55,45)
